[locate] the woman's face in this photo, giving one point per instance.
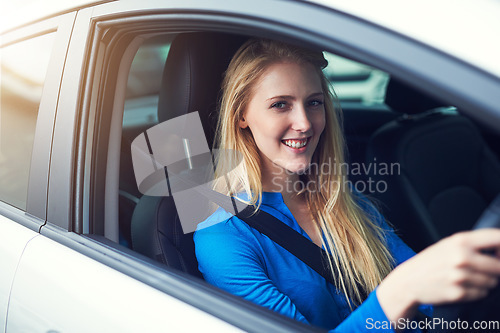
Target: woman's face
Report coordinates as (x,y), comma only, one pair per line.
(286,116)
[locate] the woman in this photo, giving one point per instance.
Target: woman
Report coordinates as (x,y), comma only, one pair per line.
(277,111)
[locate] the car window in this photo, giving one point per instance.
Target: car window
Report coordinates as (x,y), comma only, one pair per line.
(352,82)
(23,71)
(144,82)
(356,82)
(140,112)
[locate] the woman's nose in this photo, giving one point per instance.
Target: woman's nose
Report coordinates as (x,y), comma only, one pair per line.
(300,119)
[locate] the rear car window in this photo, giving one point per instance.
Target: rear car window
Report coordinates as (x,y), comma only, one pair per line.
(23,71)
(144,82)
(356,82)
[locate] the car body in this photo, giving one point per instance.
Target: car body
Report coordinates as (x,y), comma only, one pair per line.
(63,267)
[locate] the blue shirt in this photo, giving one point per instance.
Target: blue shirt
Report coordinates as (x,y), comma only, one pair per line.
(237,258)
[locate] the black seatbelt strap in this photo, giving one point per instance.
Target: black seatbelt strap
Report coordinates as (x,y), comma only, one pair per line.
(291,240)
(297,244)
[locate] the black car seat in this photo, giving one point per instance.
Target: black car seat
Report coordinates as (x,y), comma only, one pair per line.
(191,82)
(446,174)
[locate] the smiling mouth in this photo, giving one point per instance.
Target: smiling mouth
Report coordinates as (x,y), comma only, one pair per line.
(296,143)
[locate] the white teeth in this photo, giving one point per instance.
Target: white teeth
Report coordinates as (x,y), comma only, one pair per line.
(295,144)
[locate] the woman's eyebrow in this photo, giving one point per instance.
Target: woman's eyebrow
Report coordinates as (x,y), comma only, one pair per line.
(281,97)
(316,94)
(292,97)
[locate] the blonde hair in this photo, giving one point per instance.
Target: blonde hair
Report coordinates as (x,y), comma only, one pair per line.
(359,258)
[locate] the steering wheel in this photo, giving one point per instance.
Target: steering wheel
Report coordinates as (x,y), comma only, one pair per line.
(487,309)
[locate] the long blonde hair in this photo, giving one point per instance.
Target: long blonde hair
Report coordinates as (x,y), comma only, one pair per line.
(359,258)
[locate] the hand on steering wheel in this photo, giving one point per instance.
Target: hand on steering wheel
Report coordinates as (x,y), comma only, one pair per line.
(453,270)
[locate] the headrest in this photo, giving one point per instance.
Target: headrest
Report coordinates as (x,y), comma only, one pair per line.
(193,75)
(401,98)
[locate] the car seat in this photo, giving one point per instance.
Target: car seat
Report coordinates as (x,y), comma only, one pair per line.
(446,174)
(191,82)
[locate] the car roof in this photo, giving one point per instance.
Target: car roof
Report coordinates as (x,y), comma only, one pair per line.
(468,30)
(20,12)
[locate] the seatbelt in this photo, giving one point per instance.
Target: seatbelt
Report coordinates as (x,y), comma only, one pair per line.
(297,244)
(291,240)
(280,233)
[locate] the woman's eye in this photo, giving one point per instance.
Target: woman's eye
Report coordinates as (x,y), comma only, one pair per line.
(315,102)
(279,105)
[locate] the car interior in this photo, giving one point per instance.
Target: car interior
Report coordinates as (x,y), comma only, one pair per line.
(448,173)
(449,169)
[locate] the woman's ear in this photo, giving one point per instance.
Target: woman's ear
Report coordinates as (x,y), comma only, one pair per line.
(243,123)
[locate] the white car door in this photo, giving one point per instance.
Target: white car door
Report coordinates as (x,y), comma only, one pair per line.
(28,99)
(58,289)
(13,240)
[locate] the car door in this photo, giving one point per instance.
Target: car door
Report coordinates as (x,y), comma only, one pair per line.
(32,59)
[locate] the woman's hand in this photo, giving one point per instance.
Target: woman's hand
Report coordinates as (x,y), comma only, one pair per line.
(452,270)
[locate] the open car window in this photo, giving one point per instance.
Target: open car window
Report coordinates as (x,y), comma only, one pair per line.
(356,85)
(361,91)
(144,82)
(356,82)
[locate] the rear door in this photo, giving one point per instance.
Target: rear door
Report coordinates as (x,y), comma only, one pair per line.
(31,67)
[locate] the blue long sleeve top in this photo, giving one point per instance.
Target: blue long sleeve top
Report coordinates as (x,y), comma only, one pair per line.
(237,258)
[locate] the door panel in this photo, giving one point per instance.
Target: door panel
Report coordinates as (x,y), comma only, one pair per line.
(74,293)
(13,240)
